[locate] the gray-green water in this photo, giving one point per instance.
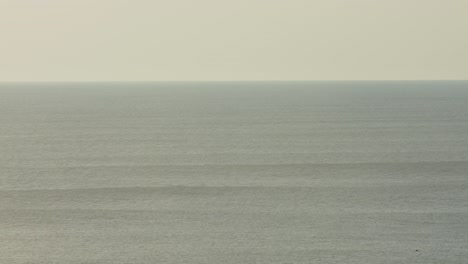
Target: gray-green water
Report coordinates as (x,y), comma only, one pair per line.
(318,172)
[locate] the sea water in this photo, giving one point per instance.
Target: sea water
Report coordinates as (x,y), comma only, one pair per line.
(234,172)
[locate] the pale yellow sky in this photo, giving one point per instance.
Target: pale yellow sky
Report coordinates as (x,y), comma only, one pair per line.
(146,40)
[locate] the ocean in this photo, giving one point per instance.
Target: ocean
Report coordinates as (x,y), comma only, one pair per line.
(365,172)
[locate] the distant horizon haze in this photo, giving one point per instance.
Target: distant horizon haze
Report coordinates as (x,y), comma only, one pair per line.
(220,40)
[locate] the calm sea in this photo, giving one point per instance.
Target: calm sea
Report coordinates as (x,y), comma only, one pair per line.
(242,172)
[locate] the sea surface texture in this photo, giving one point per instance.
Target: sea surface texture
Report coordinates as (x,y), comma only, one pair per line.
(259,172)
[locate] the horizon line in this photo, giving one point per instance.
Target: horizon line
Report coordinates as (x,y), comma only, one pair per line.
(232,81)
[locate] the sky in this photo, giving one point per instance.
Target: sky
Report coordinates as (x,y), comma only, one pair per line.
(222,40)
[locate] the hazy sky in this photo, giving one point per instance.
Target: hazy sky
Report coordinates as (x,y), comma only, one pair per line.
(143,40)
